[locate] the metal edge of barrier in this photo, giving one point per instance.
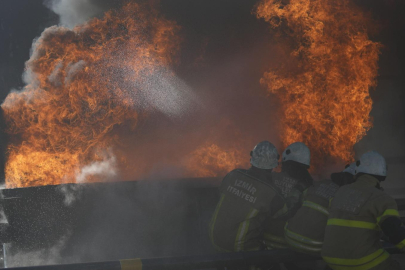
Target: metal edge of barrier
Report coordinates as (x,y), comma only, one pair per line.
(219,260)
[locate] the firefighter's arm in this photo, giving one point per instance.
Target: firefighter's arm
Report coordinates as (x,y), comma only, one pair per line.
(278,207)
(390,222)
(395,231)
(294,201)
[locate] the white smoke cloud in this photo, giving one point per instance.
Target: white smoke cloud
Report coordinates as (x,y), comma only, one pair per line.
(54,77)
(29,77)
(106,169)
(46,256)
(71,193)
(3,217)
(75,12)
(73,69)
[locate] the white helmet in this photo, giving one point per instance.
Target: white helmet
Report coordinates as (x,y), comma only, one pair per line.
(351,168)
(298,152)
(372,163)
(264,156)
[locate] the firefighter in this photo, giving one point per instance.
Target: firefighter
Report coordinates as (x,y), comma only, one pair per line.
(293,180)
(247,198)
(305,231)
(357,215)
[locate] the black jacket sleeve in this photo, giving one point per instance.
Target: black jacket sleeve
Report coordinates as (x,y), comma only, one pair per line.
(393,229)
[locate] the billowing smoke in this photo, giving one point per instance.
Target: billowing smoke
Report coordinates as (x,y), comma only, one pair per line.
(75,12)
(45,256)
(106,168)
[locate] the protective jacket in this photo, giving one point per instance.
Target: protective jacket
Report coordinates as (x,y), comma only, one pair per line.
(305,231)
(247,198)
(357,215)
(292,189)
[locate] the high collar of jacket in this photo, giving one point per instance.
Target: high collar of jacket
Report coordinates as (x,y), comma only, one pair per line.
(264,175)
(298,171)
(368,180)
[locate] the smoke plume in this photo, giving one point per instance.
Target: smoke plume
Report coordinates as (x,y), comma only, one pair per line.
(46,256)
(74,12)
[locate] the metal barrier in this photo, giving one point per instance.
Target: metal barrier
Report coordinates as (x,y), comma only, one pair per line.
(237,259)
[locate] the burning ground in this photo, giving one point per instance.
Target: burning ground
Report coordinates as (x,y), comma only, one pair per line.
(106,99)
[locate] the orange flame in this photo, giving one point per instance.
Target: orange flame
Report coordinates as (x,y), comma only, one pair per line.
(87,82)
(324,87)
(210,160)
(83,84)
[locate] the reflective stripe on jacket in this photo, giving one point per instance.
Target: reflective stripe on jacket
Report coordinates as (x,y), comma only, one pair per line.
(352,236)
(274,227)
(274,233)
(237,223)
(305,231)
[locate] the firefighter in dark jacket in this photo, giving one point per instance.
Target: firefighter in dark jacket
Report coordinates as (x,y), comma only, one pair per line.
(358,214)
(293,181)
(247,199)
(305,231)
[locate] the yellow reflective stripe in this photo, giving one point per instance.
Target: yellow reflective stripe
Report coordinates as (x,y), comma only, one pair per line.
(352,223)
(272,245)
(252,249)
(213,220)
(214,217)
(274,238)
(304,194)
(300,238)
(281,212)
(388,212)
(330,201)
(303,247)
(401,244)
(133,264)
(243,229)
(274,241)
(364,263)
(316,207)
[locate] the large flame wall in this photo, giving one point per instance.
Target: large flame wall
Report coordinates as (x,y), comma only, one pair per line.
(324,86)
(93,94)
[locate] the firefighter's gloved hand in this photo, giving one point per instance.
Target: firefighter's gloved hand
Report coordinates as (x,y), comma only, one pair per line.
(342,178)
(392,227)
